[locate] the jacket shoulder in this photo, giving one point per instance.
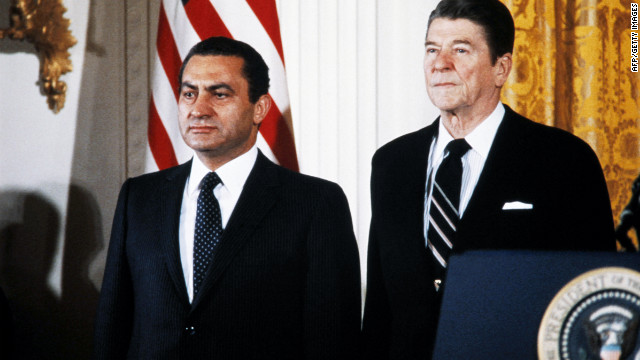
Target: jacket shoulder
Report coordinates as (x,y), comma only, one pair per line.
(546,138)
(149,182)
(297,182)
(406,145)
(536,130)
(169,173)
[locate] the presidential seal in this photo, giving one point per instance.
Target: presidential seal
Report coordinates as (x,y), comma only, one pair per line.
(593,317)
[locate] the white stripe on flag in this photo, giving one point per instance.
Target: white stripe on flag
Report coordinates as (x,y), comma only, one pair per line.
(167,108)
(149,162)
(184,34)
(264,147)
(243,25)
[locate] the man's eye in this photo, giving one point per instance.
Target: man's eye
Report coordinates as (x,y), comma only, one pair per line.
(220,95)
(431,51)
(461,51)
(188,94)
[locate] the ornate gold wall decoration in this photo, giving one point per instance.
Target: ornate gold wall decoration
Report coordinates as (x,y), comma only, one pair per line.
(41,22)
(572,70)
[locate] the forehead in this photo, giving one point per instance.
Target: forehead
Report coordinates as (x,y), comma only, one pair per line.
(214,67)
(445,30)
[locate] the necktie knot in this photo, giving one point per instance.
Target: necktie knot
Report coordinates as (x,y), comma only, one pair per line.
(210,181)
(458,147)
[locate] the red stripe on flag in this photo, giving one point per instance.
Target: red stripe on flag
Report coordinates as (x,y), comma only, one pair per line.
(205,19)
(168,52)
(275,131)
(159,141)
(268,15)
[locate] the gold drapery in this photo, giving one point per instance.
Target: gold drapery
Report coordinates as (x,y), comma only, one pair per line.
(572,70)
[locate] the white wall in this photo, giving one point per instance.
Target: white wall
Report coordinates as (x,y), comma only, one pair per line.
(36,160)
(36,145)
(356,82)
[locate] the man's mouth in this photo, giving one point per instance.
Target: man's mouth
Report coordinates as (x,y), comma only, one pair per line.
(444,84)
(201,129)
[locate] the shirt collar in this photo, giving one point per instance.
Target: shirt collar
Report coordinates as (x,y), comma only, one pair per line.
(480,139)
(482,136)
(233,174)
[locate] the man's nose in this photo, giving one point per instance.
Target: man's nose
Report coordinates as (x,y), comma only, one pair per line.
(202,106)
(442,61)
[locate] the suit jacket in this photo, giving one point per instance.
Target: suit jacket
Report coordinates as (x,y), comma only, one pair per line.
(284,282)
(6,325)
(548,168)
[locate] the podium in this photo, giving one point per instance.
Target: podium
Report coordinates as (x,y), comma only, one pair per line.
(540,305)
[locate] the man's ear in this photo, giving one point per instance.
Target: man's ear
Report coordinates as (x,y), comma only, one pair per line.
(261,108)
(502,69)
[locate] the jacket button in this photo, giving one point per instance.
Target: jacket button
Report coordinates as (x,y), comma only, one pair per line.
(437,283)
(190,330)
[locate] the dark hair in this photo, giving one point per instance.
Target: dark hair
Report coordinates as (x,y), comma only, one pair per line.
(492,15)
(255,70)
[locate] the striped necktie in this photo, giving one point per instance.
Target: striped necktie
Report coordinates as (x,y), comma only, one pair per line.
(445,200)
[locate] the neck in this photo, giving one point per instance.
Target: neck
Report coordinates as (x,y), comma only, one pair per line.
(213,159)
(461,122)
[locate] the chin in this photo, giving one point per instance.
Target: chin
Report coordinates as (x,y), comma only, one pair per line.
(201,145)
(445,102)
(446,106)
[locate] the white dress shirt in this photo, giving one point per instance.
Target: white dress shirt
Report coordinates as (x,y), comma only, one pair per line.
(480,140)
(234,175)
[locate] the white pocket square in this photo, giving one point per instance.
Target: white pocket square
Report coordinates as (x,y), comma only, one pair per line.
(517,205)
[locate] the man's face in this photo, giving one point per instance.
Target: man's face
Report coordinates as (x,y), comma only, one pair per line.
(215,115)
(458,67)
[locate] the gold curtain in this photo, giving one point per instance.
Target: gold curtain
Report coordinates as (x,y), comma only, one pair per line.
(572,70)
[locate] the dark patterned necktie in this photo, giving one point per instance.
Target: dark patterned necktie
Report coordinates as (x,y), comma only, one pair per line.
(208,228)
(445,199)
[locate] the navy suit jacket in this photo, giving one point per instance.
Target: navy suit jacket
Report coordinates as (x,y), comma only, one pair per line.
(284,282)
(554,171)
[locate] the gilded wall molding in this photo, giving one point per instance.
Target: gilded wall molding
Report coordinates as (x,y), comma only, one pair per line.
(41,22)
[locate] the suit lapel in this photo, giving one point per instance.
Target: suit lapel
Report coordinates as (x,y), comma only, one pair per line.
(416,180)
(171,201)
(491,186)
(399,184)
(259,194)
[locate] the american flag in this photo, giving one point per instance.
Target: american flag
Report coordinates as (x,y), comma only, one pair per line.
(182,24)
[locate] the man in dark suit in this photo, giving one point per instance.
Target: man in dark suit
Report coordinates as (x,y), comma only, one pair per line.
(518,184)
(282,280)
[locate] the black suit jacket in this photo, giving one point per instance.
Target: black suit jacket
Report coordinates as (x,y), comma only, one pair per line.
(6,325)
(284,282)
(549,168)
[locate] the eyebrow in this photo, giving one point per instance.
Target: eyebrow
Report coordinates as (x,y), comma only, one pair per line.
(210,88)
(465,42)
(455,42)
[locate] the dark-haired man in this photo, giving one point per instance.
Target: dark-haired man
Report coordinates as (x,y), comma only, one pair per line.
(480,177)
(228,256)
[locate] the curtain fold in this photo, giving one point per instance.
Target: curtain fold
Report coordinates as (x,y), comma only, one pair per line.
(572,70)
